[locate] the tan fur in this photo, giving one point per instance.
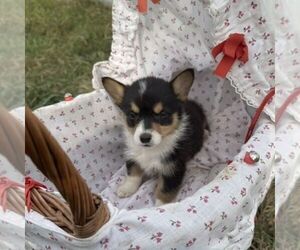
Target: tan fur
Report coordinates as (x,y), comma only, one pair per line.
(158,107)
(169,129)
(134,108)
(182,84)
(135,170)
(115,89)
(164,197)
(131,129)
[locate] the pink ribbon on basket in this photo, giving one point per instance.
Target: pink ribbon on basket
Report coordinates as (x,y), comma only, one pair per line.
(29,185)
(5,184)
(267,99)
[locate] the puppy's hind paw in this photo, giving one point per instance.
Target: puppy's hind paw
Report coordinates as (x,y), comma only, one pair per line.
(159,203)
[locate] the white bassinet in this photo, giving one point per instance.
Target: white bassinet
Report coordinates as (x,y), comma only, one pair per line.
(217,203)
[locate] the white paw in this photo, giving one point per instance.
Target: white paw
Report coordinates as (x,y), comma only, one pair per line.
(126,190)
(158,203)
(129,187)
(206,134)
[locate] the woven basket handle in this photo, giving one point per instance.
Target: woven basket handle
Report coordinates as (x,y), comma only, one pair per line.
(12,142)
(89,212)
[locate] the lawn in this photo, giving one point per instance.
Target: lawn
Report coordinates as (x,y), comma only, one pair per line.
(12,46)
(63,41)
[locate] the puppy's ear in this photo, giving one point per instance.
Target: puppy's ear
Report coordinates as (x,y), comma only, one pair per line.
(182,83)
(114,88)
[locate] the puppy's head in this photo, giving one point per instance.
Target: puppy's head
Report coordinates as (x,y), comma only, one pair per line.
(152,106)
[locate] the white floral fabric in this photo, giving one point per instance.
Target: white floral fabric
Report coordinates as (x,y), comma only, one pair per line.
(174,35)
(166,40)
(287,56)
(254,79)
(12,225)
(288,160)
(217,203)
(12,230)
(287,77)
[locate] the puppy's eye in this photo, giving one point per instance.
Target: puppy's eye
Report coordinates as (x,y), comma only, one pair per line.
(162,115)
(133,116)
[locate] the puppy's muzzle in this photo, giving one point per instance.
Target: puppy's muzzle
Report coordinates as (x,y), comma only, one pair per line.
(145,138)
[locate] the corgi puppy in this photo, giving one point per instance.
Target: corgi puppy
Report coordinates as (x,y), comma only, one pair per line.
(163,131)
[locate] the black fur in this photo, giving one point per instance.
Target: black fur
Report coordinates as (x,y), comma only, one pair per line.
(129,165)
(190,143)
(188,146)
(158,90)
(171,183)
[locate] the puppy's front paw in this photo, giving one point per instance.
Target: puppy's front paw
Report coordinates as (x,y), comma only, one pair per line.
(129,187)
(126,190)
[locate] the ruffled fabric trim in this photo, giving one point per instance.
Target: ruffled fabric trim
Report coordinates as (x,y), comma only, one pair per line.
(122,63)
(253,80)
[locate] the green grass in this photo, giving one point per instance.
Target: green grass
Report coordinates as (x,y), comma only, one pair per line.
(264,234)
(63,41)
(64,38)
(12,45)
(288,222)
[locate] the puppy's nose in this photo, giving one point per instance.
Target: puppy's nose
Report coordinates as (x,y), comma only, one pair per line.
(145,137)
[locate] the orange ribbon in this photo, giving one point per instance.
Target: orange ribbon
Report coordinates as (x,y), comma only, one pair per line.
(5,184)
(29,185)
(233,48)
(142,5)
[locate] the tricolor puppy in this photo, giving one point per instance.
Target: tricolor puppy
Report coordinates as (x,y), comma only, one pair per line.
(163,131)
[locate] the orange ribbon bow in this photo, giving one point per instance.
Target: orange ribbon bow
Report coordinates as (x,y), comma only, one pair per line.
(30,184)
(233,48)
(142,5)
(5,184)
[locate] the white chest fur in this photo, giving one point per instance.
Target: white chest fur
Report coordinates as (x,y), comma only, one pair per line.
(151,159)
